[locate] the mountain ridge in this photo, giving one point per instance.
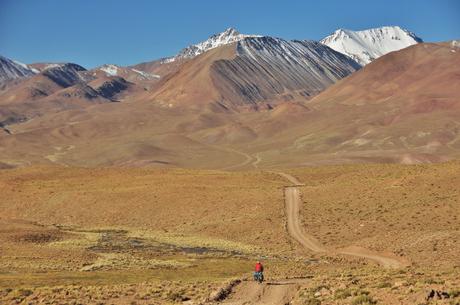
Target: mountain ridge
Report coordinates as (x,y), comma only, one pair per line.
(11,69)
(253,70)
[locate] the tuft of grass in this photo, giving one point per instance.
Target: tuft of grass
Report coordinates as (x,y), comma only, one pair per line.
(25,292)
(311,302)
(318,288)
(341,294)
(177,296)
(363,299)
(384,285)
(432,281)
(454,293)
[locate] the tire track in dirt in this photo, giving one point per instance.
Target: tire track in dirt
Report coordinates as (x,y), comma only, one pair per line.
(248,159)
(248,162)
(270,293)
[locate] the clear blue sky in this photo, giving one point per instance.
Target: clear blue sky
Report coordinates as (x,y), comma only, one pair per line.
(94,32)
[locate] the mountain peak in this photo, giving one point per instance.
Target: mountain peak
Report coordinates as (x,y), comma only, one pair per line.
(12,69)
(230,35)
(231,31)
(337,34)
(367,45)
(340,30)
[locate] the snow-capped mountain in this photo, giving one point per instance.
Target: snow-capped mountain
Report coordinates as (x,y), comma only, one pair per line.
(367,45)
(261,70)
(11,69)
(228,36)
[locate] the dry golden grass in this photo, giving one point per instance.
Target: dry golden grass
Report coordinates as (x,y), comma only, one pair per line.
(246,208)
(377,286)
(411,210)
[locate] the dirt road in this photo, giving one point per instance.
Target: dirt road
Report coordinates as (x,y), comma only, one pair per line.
(270,293)
(292,198)
(282,292)
(248,159)
(293,203)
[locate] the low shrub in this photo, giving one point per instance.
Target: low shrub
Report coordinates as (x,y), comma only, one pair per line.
(363,299)
(342,294)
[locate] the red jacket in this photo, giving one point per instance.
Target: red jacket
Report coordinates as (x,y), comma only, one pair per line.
(259,267)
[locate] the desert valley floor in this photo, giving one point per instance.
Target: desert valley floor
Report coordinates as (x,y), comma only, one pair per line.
(345,234)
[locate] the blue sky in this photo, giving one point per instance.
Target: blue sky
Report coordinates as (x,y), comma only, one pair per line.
(94,32)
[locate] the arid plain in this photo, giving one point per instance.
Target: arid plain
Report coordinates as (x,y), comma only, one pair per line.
(165,236)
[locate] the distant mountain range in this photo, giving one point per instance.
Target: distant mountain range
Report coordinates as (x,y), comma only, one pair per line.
(360,96)
(362,46)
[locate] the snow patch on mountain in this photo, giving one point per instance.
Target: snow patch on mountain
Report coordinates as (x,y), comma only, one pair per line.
(367,45)
(228,36)
(168,60)
(11,69)
(51,66)
(145,74)
(110,70)
(26,66)
(126,72)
